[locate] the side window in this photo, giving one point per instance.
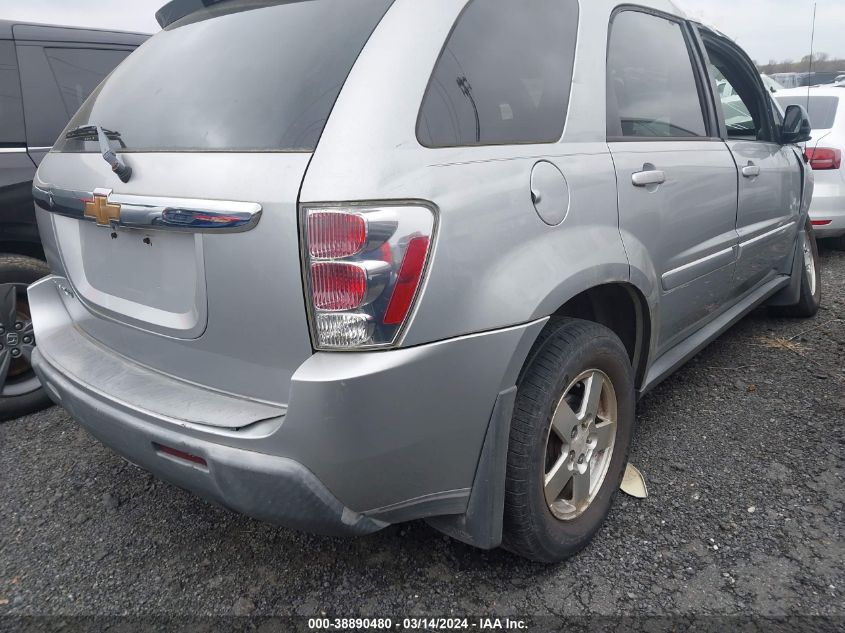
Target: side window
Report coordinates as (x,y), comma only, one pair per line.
(746,105)
(11,110)
(78,71)
(651,85)
(504,75)
(735,112)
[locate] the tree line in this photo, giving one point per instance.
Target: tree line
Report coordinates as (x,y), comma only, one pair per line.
(822,62)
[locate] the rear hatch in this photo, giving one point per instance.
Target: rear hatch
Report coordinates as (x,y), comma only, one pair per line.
(192,267)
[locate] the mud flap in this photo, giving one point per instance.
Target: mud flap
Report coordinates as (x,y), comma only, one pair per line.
(481,525)
(791,295)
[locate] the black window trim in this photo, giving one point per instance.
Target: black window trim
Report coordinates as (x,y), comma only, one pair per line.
(747,66)
(510,143)
(708,111)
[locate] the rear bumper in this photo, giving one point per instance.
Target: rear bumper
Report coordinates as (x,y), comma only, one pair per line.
(828,206)
(365,440)
(273,489)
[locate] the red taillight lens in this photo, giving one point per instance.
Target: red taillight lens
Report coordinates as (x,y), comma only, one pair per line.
(821,222)
(335,234)
(407,281)
(824,158)
(365,266)
(338,286)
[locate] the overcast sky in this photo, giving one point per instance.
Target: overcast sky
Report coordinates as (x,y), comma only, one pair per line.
(767,29)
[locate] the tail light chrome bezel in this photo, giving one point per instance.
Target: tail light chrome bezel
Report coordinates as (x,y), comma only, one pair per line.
(383,221)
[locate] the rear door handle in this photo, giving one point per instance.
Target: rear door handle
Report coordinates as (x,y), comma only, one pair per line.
(751,170)
(650,177)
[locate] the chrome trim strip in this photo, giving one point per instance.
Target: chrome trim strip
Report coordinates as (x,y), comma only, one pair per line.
(694,270)
(12,150)
(765,236)
(153,213)
(40,149)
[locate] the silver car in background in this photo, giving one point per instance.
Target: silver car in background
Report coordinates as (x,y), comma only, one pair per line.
(349,263)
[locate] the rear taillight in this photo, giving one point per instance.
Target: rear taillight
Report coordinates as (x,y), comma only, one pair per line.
(364,268)
(407,281)
(335,234)
(822,158)
(338,286)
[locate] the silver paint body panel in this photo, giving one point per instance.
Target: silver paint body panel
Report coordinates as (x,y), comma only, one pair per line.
(403,429)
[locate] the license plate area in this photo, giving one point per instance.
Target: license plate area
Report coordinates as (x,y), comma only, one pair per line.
(153,280)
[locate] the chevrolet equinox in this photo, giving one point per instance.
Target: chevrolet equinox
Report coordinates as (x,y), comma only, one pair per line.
(340,264)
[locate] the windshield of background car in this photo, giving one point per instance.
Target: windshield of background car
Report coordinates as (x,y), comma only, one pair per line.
(240,75)
(822,110)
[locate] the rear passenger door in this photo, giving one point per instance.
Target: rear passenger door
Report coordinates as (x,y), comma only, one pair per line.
(56,79)
(770,176)
(677,181)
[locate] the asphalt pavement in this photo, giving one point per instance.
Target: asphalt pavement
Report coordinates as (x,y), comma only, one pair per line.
(742,450)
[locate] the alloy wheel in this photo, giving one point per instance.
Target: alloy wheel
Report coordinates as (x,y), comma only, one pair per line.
(17,340)
(810,263)
(580,444)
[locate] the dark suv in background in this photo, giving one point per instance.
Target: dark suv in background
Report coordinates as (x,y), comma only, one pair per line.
(46,73)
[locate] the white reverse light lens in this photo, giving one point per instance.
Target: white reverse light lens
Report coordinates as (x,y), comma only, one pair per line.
(338,329)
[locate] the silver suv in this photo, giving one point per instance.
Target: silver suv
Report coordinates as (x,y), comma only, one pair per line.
(349,263)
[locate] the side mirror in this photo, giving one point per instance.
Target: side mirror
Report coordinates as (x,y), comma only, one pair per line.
(796,126)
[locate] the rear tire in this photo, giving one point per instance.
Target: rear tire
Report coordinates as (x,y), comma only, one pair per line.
(811,283)
(16,273)
(548,445)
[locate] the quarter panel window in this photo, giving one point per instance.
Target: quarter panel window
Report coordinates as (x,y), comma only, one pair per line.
(11,110)
(652,90)
(504,76)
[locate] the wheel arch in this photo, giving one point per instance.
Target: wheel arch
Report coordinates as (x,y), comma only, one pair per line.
(623,308)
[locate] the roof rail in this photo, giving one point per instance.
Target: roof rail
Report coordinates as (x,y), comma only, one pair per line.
(178,9)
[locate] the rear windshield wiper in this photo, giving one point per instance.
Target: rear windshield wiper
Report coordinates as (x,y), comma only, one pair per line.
(103,136)
(89,133)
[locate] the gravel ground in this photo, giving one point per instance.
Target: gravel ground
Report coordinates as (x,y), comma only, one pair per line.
(742,450)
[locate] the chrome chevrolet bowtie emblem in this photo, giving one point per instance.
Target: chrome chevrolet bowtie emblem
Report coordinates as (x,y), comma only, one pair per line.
(102,211)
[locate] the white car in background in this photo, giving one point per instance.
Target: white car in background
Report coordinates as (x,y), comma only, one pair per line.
(826,106)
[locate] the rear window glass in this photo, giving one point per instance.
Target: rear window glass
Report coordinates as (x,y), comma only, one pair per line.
(822,110)
(504,75)
(244,75)
(78,71)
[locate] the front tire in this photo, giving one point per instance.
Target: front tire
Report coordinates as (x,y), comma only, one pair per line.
(571,431)
(811,281)
(20,390)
